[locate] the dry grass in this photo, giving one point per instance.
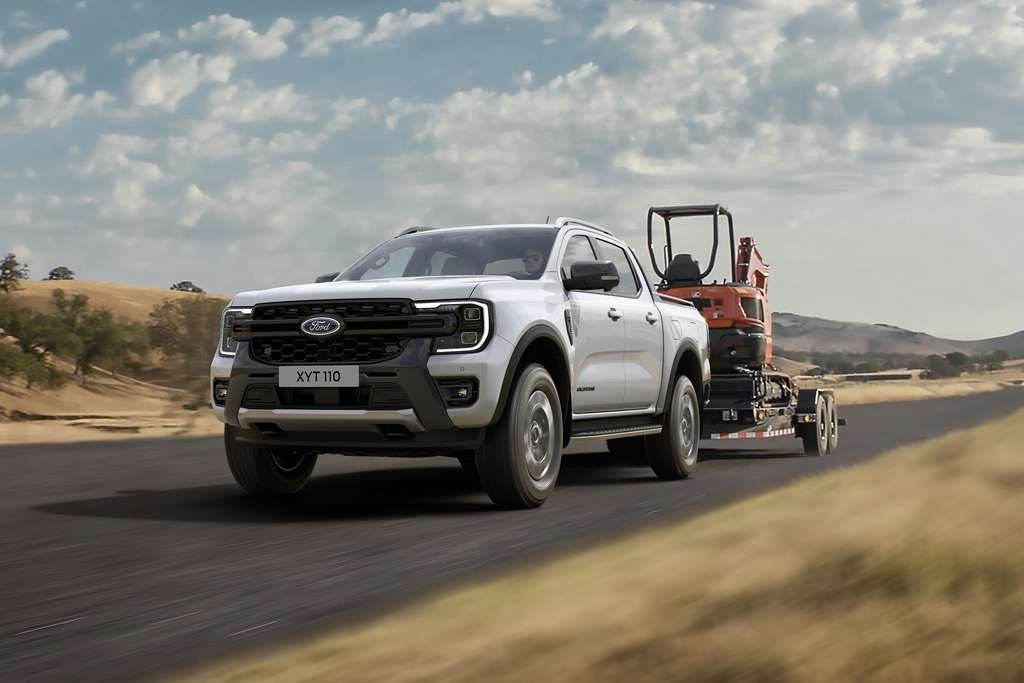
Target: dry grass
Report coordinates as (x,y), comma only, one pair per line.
(125,301)
(856,393)
(909,568)
(106,407)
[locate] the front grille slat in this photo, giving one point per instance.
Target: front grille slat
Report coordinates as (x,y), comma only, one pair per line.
(375,331)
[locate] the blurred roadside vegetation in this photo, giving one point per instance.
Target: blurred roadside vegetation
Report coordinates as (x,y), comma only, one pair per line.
(934,366)
(73,340)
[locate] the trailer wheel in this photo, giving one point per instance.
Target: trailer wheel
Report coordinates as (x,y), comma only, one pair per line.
(815,435)
(672,454)
(833,425)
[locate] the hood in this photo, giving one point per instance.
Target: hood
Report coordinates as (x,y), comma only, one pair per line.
(415,288)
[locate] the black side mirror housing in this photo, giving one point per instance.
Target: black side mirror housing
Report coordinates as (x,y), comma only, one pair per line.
(587,275)
(327,277)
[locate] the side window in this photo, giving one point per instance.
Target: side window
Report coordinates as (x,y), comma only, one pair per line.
(628,285)
(578,249)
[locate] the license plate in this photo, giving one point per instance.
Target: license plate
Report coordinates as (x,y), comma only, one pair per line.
(318,376)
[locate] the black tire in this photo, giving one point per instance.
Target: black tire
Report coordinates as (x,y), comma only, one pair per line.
(262,471)
(468,461)
(672,454)
(522,454)
(815,436)
(833,424)
(630,450)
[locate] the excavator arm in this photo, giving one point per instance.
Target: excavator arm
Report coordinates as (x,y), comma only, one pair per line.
(750,265)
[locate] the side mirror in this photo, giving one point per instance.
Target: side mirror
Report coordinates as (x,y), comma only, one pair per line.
(586,275)
(327,277)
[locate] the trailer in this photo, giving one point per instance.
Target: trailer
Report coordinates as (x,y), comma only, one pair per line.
(749,398)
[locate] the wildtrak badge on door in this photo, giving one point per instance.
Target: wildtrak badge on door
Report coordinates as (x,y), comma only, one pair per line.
(494,344)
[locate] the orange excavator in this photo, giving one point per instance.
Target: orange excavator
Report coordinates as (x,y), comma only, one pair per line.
(749,397)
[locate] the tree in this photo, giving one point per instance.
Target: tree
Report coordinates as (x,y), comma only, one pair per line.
(939,367)
(187,286)
(10,272)
(61,273)
(71,311)
(187,330)
(94,336)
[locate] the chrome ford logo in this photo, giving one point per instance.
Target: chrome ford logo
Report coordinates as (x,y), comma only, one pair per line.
(321,326)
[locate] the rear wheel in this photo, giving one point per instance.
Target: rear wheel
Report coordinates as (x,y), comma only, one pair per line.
(262,471)
(522,454)
(815,436)
(672,454)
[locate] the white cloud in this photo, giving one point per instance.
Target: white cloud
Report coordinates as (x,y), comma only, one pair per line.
(164,83)
(115,156)
(32,47)
(246,103)
(295,142)
(140,42)
(393,24)
(278,199)
(22,252)
(345,112)
(5,99)
(48,104)
(323,32)
(476,10)
(239,38)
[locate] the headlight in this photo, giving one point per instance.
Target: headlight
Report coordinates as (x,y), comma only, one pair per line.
(228,345)
(472,325)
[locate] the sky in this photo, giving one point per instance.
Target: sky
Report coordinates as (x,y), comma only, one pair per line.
(874,149)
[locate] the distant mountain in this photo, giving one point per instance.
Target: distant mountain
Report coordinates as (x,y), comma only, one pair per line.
(794,332)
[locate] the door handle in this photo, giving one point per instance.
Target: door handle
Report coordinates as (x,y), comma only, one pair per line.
(651,318)
(614,314)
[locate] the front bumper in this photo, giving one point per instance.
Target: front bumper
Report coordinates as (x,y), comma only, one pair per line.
(425,424)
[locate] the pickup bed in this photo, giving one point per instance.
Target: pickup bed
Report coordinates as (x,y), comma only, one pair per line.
(495,344)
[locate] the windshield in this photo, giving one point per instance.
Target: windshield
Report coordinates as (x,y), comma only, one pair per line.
(519,252)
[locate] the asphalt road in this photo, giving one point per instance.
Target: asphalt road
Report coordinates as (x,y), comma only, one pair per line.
(134,559)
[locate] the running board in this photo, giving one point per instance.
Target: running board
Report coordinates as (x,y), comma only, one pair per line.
(616,432)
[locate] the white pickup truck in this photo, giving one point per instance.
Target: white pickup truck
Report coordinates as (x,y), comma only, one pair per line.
(496,344)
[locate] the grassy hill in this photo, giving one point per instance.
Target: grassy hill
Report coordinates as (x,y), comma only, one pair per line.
(794,332)
(125,301)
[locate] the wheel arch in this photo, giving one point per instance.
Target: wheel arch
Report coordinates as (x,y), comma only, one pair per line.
(541,344)
(688,362)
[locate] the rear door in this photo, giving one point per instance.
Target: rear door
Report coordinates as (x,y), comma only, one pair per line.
(643,344)
(599,338)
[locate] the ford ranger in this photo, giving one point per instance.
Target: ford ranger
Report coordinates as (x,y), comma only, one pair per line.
(495,344)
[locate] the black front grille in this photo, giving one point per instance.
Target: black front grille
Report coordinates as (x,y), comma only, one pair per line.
(341,350)
(384,396)
(374,331)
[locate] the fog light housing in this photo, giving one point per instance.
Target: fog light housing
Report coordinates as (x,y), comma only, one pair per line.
(458,392)
(220,392)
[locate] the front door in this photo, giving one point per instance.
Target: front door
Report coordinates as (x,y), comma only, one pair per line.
(599,336)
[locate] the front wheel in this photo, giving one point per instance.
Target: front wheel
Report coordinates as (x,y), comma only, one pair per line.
(262,471)
(522,454)
(672,454)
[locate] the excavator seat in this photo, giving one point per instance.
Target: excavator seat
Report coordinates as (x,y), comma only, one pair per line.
(683,272)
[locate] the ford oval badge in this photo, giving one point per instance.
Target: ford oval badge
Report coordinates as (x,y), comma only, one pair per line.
(321,326)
